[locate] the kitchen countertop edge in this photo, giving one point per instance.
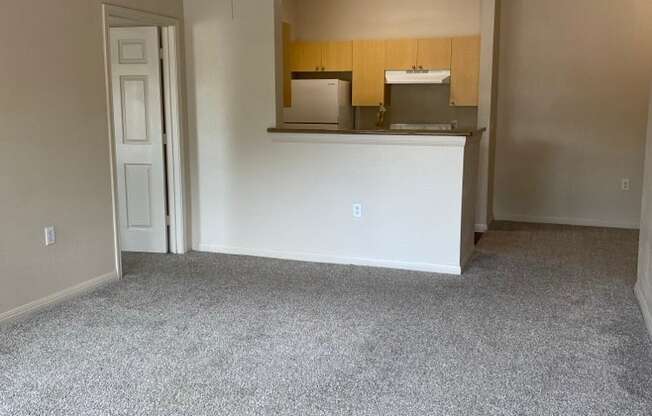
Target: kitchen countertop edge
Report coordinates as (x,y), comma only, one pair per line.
(457,133)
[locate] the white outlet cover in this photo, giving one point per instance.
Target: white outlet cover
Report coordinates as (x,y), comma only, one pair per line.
(50,236)
(626,184)
(357,210)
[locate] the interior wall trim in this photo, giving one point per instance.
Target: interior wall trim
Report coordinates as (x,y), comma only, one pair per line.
(58,297)
(331,259)
(586,222)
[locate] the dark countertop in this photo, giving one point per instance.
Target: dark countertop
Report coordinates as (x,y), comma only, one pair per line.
(460,132)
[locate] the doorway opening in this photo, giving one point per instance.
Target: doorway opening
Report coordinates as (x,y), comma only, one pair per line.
(142,62)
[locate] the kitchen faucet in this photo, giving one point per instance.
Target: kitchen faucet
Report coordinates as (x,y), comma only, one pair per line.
(380,118)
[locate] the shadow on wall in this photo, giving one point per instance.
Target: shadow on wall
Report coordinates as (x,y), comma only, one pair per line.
(209,110)
(533,162)
(231,90)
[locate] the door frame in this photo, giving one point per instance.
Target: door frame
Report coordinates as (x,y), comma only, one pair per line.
(174,122)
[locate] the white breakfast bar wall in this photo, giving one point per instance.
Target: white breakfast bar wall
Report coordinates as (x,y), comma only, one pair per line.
(252,194)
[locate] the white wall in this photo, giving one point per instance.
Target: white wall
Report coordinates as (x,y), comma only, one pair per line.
(54,148)
(372,19)
(644,284)
(251,195)
(572,110)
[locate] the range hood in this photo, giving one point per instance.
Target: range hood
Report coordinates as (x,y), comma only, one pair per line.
(418,77)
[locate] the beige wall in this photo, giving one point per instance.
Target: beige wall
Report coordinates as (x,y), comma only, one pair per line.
(644,284)
(369,19)
(54,151)
(572,110)
(289,11)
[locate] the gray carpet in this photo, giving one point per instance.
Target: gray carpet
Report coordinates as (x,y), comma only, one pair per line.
(544,322)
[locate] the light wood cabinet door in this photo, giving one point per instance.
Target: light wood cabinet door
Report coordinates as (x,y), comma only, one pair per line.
(401,54)
(306,56)
(465,71)
(434,53)
(337,56)
(368,72)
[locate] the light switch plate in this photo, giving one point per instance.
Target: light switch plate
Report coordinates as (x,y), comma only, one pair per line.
(50,236)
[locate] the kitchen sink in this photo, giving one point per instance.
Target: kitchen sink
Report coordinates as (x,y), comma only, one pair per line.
(423,126)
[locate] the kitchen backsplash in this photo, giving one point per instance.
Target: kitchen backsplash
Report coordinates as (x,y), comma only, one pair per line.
(419,104)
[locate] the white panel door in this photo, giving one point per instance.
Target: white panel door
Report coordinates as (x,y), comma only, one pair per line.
(137,112)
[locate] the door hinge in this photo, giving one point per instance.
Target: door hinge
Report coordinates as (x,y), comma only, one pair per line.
(167,220)
(161,54)
(165,138)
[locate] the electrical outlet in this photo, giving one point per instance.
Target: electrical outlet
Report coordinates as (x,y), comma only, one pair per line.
(625,184)
(357,210)
(50,236)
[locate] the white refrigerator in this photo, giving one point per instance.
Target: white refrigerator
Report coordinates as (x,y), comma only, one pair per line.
(320,104)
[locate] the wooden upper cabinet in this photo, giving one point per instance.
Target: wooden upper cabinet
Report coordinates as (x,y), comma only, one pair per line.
(401,54)
(337,56)
(306,56)
(465,71)
(369,59)
(434,53)
(368,72)
(321,56)
(405,54)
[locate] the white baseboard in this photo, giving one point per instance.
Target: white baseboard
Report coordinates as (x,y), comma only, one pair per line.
(645,307)
(58,297)
(567,221)
(481,228)
(321,258)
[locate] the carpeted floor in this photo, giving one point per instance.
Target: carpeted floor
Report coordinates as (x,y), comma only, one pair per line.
(544,322)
